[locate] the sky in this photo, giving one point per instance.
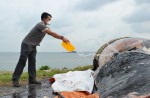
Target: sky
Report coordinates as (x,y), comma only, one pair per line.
(88,24)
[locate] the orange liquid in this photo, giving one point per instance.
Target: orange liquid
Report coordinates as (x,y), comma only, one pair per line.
(68,46)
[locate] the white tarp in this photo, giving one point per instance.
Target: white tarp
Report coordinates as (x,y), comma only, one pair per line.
(74,81)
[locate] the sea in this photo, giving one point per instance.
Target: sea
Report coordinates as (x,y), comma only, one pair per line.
(58,60)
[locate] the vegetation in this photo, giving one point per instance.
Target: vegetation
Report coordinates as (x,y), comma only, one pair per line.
(45,68)
(42,73)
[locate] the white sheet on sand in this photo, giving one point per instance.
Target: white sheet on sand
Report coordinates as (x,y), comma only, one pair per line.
(74,81)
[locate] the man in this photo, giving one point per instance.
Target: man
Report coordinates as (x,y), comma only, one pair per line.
(28,49)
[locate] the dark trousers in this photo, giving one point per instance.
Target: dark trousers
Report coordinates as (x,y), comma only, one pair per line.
(27,52)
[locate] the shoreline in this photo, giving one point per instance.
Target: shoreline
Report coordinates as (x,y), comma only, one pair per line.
(37,91)
(6,76)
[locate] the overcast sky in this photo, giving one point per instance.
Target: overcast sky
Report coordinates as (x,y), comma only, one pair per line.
(86,23)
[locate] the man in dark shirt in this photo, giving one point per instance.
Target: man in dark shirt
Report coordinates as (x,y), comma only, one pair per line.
(28,49)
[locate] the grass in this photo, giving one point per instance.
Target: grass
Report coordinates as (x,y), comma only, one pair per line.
(6,77)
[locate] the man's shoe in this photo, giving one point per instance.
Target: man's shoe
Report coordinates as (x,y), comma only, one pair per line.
(16,84)
(34,82)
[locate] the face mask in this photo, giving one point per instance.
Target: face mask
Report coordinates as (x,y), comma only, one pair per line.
(48,19)
(48,23)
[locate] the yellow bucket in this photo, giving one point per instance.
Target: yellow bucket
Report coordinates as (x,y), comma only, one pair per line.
(68,46)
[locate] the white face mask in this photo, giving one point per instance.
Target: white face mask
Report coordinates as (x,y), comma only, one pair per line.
(49,20)
(48,23)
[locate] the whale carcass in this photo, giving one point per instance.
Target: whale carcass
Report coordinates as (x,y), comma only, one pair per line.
(122,69)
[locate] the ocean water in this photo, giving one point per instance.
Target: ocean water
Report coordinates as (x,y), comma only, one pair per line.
(58,60)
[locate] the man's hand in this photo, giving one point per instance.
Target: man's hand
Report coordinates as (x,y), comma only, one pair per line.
(65,40)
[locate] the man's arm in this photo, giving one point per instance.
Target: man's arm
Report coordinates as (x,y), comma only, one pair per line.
(49,32)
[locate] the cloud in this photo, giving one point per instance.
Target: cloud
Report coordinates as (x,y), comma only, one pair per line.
(141,14)
(139,19)
(142,1)
(86,23)
(89,5)
(141,27)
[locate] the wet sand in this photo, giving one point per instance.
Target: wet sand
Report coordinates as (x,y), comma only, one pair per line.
(28,91)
